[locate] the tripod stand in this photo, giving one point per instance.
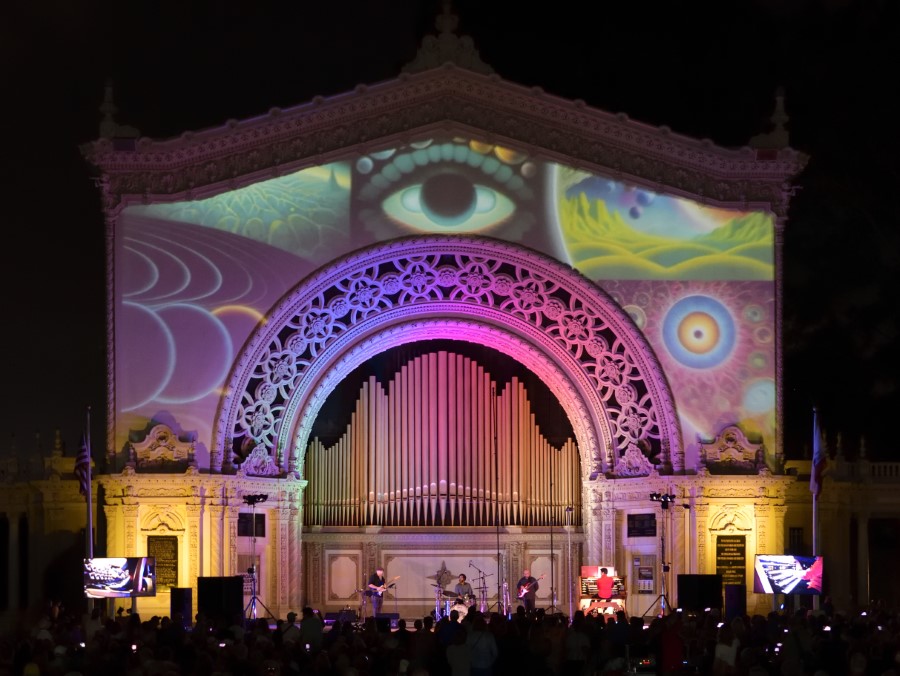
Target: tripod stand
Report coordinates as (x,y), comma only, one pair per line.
(250,610)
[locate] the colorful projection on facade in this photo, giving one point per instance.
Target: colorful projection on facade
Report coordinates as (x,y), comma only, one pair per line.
(195,279)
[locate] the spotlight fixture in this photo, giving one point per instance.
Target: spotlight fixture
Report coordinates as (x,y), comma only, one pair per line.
(255,499)
(665,499)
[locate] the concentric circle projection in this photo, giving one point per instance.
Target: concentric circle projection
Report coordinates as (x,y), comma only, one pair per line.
(759,397)
(637,313)
(699,332)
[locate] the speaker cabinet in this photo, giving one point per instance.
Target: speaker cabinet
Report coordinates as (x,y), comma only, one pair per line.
(221,598)
(181,602)
(343,616)
(385,621)
(735,601)
(696,592)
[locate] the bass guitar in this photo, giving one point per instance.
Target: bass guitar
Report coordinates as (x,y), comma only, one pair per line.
(525,588)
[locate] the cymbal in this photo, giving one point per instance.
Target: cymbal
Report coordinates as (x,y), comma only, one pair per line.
(437,585)
(451,594)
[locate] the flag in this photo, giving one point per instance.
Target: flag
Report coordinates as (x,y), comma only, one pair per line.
(83,467)
(818,460)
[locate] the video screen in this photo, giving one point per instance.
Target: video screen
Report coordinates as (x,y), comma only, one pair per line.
(787,574)
(120,577)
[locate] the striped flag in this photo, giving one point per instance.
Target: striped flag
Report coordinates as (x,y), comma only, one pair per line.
(83,467)
(819,460)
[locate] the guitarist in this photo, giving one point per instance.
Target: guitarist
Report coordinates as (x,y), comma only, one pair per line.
(376,590)
(526,589)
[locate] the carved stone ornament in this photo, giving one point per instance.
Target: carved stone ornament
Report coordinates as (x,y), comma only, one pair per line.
(473,283)
(162,450)
(732,453)
(260,463)
(633,463)
(206,163)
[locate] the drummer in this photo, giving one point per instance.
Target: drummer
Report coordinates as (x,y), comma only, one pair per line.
(464,592)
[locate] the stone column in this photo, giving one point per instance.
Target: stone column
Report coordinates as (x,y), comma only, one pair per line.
(216,540)
(130,516)
(295,550)
(230,540)
(13,579)
(193,532)
(702,530)
(862,560)
(114,525)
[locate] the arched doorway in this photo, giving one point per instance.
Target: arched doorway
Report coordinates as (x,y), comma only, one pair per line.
(530,307)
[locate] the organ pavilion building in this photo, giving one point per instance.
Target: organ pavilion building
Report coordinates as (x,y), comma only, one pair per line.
(444,324)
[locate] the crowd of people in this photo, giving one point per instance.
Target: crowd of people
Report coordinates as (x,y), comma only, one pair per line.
(795,644)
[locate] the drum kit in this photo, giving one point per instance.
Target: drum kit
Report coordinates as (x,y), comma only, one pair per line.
(447,601)
(452,601)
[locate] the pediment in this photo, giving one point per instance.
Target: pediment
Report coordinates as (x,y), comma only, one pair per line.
(447,100)
(161,450)
(731,452)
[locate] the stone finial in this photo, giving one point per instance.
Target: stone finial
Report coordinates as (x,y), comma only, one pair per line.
(57,443)
(447,47)
(109,128)
(778,136)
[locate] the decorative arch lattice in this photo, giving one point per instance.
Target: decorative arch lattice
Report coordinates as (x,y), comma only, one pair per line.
(555,321)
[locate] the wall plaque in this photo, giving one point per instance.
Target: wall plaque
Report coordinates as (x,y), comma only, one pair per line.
(731,558)
(165,549)
(642,525)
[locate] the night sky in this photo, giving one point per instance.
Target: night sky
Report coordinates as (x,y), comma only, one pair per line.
(707,70)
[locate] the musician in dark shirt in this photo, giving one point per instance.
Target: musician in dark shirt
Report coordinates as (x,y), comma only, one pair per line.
(463,590)
(376,589)
(526,589)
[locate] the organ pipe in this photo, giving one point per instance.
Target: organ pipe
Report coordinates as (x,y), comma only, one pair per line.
(442,445)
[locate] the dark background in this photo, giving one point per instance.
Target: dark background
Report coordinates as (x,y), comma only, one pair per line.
(707,70)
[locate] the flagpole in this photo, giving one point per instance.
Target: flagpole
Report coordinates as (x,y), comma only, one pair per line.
(815,493)
(816,471)
(89,533)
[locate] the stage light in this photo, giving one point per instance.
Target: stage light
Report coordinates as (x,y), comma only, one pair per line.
(665,499)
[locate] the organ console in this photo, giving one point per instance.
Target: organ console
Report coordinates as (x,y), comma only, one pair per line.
(587,583)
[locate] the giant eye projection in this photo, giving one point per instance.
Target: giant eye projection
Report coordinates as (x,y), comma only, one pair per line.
(195,278)
(454,186)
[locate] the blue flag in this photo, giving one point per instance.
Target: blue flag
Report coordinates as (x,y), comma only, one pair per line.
(819,460)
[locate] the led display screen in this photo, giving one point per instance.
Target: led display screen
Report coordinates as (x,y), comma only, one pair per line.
(195,279)
(120,577)
(787,574)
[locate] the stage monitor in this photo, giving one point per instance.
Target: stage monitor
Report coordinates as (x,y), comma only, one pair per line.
(787,574)
(120,577)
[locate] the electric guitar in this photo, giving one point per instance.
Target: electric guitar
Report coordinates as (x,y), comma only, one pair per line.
(525,588)
(383,588)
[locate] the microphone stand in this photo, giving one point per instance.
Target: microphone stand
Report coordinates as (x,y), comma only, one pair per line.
(396,612)
(482,588)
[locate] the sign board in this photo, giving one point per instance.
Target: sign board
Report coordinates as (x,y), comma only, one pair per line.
(731,558)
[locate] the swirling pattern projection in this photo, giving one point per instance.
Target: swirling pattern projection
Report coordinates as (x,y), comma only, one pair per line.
(195,279)
(305,213)
(614,230)
(716,345)
(189,297)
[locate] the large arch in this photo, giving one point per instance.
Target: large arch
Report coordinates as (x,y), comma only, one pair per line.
(538,311)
